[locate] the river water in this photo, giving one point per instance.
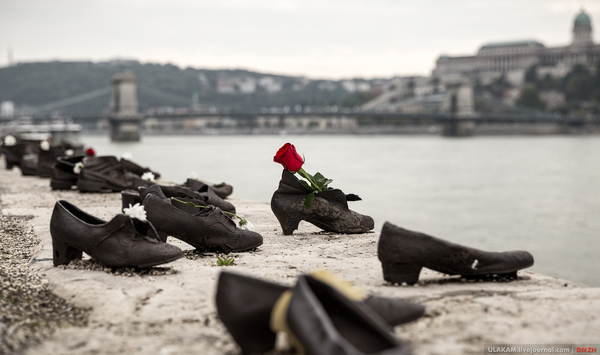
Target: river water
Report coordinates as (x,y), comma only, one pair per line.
(540,194)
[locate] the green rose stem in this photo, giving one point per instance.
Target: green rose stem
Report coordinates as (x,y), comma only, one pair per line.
(243,222)
(307,177)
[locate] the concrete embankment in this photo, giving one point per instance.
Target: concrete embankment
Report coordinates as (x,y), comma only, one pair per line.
(171,309)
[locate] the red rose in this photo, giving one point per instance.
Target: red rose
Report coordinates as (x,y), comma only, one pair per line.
(90,152)
(289,158)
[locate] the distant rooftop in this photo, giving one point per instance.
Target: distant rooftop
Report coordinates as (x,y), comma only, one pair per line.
(524,43)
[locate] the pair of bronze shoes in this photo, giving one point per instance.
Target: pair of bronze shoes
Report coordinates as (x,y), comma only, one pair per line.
(207,228)
(107,173)
(34,161)
(222,190)
(322,315)
(15,152)
(183,193)
(97,174)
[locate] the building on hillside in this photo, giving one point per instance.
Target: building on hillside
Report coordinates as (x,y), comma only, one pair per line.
(513,58)
(409,94)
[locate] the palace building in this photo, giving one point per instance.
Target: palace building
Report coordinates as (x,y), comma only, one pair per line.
(512,59)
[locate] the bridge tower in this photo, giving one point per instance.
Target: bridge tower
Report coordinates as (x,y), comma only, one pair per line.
(460,104)
(125,121)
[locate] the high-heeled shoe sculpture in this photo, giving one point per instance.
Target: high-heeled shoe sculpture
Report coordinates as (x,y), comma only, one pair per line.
(328,211)
(404,253)
(312,200)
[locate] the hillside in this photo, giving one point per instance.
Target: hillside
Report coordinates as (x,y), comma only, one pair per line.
(38,88)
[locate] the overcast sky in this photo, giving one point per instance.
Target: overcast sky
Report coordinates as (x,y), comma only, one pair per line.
(314,38)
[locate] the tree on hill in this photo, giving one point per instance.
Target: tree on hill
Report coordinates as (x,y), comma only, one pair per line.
(530,97)
(34,85)
(531,75)
(578,84)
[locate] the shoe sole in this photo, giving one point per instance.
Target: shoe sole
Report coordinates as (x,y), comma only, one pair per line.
(409,273)
(63,254)
(62,185)
(222,250)
(143,266)
(89,186)
(246,249)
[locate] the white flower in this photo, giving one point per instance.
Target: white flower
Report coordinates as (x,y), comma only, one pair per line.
(148,176)
(9,141)
(126,156)
(77,168)
(244,224)
(69,152)
(45,145)
(193,175)
(135,211)
(475,263)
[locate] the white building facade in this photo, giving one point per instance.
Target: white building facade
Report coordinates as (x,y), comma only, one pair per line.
(512,59)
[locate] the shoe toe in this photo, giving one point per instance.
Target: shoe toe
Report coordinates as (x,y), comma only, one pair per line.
(367,223)
(227,206)
(158,253)
(523,259)
(251,240)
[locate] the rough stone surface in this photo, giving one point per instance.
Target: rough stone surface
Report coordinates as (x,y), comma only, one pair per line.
(29,312)
(170,309)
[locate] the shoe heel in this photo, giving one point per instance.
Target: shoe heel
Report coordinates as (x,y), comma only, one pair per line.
(400,273)
(163,236)
(129,197)
(289,225)
(63,253)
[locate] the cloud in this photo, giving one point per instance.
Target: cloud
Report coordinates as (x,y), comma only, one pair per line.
(331,38)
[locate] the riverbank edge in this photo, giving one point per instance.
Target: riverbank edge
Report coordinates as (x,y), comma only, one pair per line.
(174,313)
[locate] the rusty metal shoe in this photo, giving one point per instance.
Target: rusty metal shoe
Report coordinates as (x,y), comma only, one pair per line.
(244,305)
(208,193)
(222,190)
(107,174)
(207,196)
(182,193)
(203,228)
(404,253)
(28,164)
(13,153)
(329,210)
(137,169)
(12,156)
(63,175)
(48,158)
(122,241)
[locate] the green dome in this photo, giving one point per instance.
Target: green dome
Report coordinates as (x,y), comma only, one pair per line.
(583,20)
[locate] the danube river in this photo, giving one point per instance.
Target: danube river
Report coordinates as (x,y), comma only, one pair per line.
(540,194)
